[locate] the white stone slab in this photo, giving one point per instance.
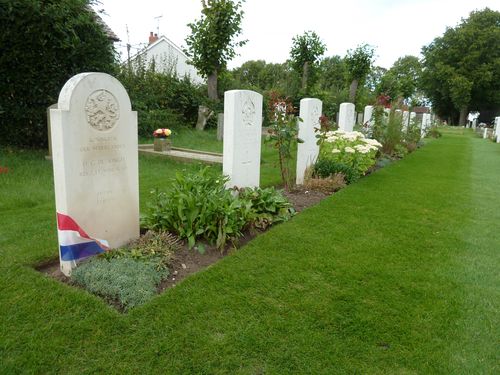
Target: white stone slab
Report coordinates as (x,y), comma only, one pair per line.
(95,161)
(367,116)
(406,119)
(346,117)
(242,137)
(307,152)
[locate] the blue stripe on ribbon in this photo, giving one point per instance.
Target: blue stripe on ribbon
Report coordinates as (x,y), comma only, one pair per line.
(79,251)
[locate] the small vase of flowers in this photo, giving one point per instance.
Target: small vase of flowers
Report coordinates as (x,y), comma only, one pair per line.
(162,140)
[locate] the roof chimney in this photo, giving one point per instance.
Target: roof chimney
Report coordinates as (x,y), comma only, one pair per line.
(152,37)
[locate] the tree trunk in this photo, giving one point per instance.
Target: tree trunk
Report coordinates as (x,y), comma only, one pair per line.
(212,86)
(305,75)
(463,116)
(352,90)
(204,114)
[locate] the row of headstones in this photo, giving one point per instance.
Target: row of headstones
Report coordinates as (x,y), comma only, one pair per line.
(243,133)
(495,133)
(95,159)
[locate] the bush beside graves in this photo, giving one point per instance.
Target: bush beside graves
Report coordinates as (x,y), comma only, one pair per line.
(43,45)
(199,207)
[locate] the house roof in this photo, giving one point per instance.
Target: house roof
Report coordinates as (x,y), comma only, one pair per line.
(107,30)
(161,39)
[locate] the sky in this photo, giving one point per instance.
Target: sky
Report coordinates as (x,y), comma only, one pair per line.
(394,28)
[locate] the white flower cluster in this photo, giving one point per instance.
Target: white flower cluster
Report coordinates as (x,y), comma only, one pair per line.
(336,135)
(339,135)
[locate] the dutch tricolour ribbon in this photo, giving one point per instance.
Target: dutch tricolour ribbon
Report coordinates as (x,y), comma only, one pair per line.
(74,242)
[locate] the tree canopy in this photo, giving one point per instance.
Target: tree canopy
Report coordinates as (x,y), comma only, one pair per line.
(43,44)
(462,67)
(402,80)
(305,54)
(212,41)
(358,62)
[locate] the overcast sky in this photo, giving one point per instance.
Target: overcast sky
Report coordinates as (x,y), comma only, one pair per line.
(395,27)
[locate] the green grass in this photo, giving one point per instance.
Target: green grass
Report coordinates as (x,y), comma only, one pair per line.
(193,139)
(396,274)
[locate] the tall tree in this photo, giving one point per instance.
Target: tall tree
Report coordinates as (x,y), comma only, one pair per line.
(402,80)
(212,41)
(462,67)
(305,54)
(359,62)
(43,44)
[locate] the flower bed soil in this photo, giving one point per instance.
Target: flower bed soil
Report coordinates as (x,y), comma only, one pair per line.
(188,261)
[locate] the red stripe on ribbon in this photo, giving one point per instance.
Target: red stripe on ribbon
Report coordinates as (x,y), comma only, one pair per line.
(64,222)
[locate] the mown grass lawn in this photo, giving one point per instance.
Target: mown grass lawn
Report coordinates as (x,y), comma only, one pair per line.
(396,274)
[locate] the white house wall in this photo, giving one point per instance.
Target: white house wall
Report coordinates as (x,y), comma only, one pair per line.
(168,58)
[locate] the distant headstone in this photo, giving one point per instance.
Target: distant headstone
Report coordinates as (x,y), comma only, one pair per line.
(307,152)
(426,123)
(95,162)
(485,133)
(406,118)
(497,129)
(346,117)
(367,116)
(220,126)
(413,115)
(359,119)
(242,137)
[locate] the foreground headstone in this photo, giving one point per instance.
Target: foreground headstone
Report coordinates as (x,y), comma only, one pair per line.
(307,152)
(346,117)
(242,137)
(95,161)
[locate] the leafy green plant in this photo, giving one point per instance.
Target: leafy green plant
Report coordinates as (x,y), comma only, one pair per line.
(157,247)
(283,133)
(348,148)
(198,206)
(44,43)
(325,168)
(124,280)
(268,206)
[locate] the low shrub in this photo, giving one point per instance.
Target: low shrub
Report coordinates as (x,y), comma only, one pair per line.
(325,168)
(129,282)
(268,206)
(433,132)
(156,247)
(198,206)
(349,148)
(327,185)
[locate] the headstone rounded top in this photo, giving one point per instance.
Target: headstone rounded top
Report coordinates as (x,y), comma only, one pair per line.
(101,95)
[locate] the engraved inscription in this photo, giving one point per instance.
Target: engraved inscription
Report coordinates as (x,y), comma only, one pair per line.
(315,116)
(248,112)
(102,110)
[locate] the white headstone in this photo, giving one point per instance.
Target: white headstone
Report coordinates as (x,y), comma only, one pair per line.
(426,123)
(242,137)
(497,129)
(406,118)
(346,117)
(413,115)
(95,161)
(367,116)
(485,133)
(307,152)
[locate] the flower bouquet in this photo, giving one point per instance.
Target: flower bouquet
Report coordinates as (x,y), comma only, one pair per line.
(162,141)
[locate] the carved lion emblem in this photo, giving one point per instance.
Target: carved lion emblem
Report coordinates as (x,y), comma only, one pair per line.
(102,110)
